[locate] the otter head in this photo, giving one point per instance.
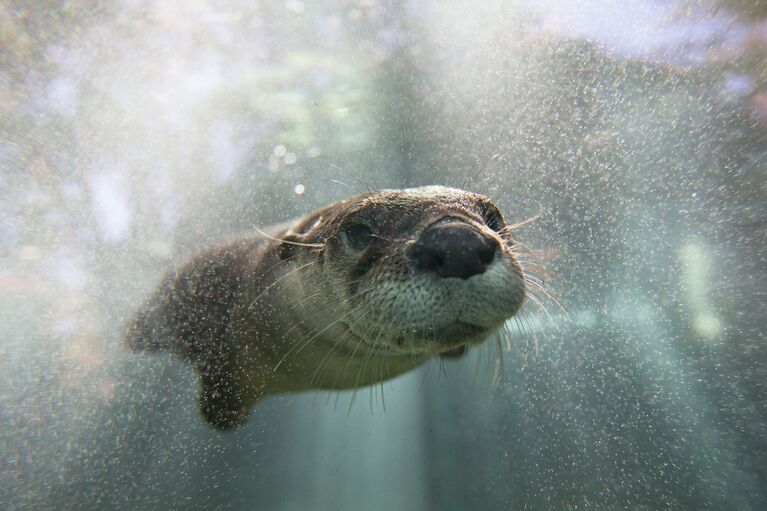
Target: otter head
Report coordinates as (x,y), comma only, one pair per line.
(417,271)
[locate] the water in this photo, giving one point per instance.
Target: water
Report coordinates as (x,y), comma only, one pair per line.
(136,133)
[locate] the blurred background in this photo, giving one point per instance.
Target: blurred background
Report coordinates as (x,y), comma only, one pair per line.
(132,133)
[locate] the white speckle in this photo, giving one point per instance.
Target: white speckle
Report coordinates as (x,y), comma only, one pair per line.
(70,273)
(299,189)
(738,85)
(159,248)
(280,150)
(71,191)
(313,152)
(585,318)
(290,158)
(707,325)
(274,163)
(225,156)
(111,206)
(63,96)
(696,268)
(295,6)
(30,253)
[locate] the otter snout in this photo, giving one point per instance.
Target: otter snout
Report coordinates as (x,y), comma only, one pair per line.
(451,248)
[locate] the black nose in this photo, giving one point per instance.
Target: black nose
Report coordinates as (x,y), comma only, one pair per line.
(453,249)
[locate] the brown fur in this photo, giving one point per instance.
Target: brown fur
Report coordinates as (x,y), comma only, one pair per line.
(263,315)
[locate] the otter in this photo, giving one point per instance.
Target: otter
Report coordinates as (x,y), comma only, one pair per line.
(355,293)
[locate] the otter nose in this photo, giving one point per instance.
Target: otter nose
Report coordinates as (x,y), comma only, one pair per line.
(453,249)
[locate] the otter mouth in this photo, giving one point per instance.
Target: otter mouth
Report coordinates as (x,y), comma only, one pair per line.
(446,339)
(454,332)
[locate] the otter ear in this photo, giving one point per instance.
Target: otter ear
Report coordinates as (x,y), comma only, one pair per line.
(300,237)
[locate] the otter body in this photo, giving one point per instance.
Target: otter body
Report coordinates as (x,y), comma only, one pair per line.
(358,292)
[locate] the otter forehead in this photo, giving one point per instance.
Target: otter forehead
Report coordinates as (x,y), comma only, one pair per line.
(424,196)
(404,208)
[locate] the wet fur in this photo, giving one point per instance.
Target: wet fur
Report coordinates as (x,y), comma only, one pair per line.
(298,309)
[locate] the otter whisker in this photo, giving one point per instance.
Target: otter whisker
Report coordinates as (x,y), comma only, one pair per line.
(534,299)
(280,280)
(529,339)
(387,376)
(313,337)
(528,319)
(277,281)
(319,371)
(378,374)
(525,223)
(529,257)
(490,359)
(499,357)
(521,346)
(287,289)
(360,342)
(505,335)
(538,275)
(442,369)
(477,365)
(317,378)
(360,372)
(336,181)
(360,181)
(289,259)
(527,247)
(349,334)
(302,299)
(296,243)
(469,178)
(525,337)
(533,279)
(322,309)
(346,366)
(534,267)
(550,296)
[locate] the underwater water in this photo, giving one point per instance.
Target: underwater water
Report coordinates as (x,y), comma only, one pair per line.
(137,132)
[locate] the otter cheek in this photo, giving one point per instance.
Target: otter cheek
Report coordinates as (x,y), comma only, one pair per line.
(492,297)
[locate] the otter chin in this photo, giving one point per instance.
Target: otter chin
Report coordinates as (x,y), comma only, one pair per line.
(355,293)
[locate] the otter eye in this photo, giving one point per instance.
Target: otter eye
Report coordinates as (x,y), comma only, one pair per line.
(494,220)
(359,236)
